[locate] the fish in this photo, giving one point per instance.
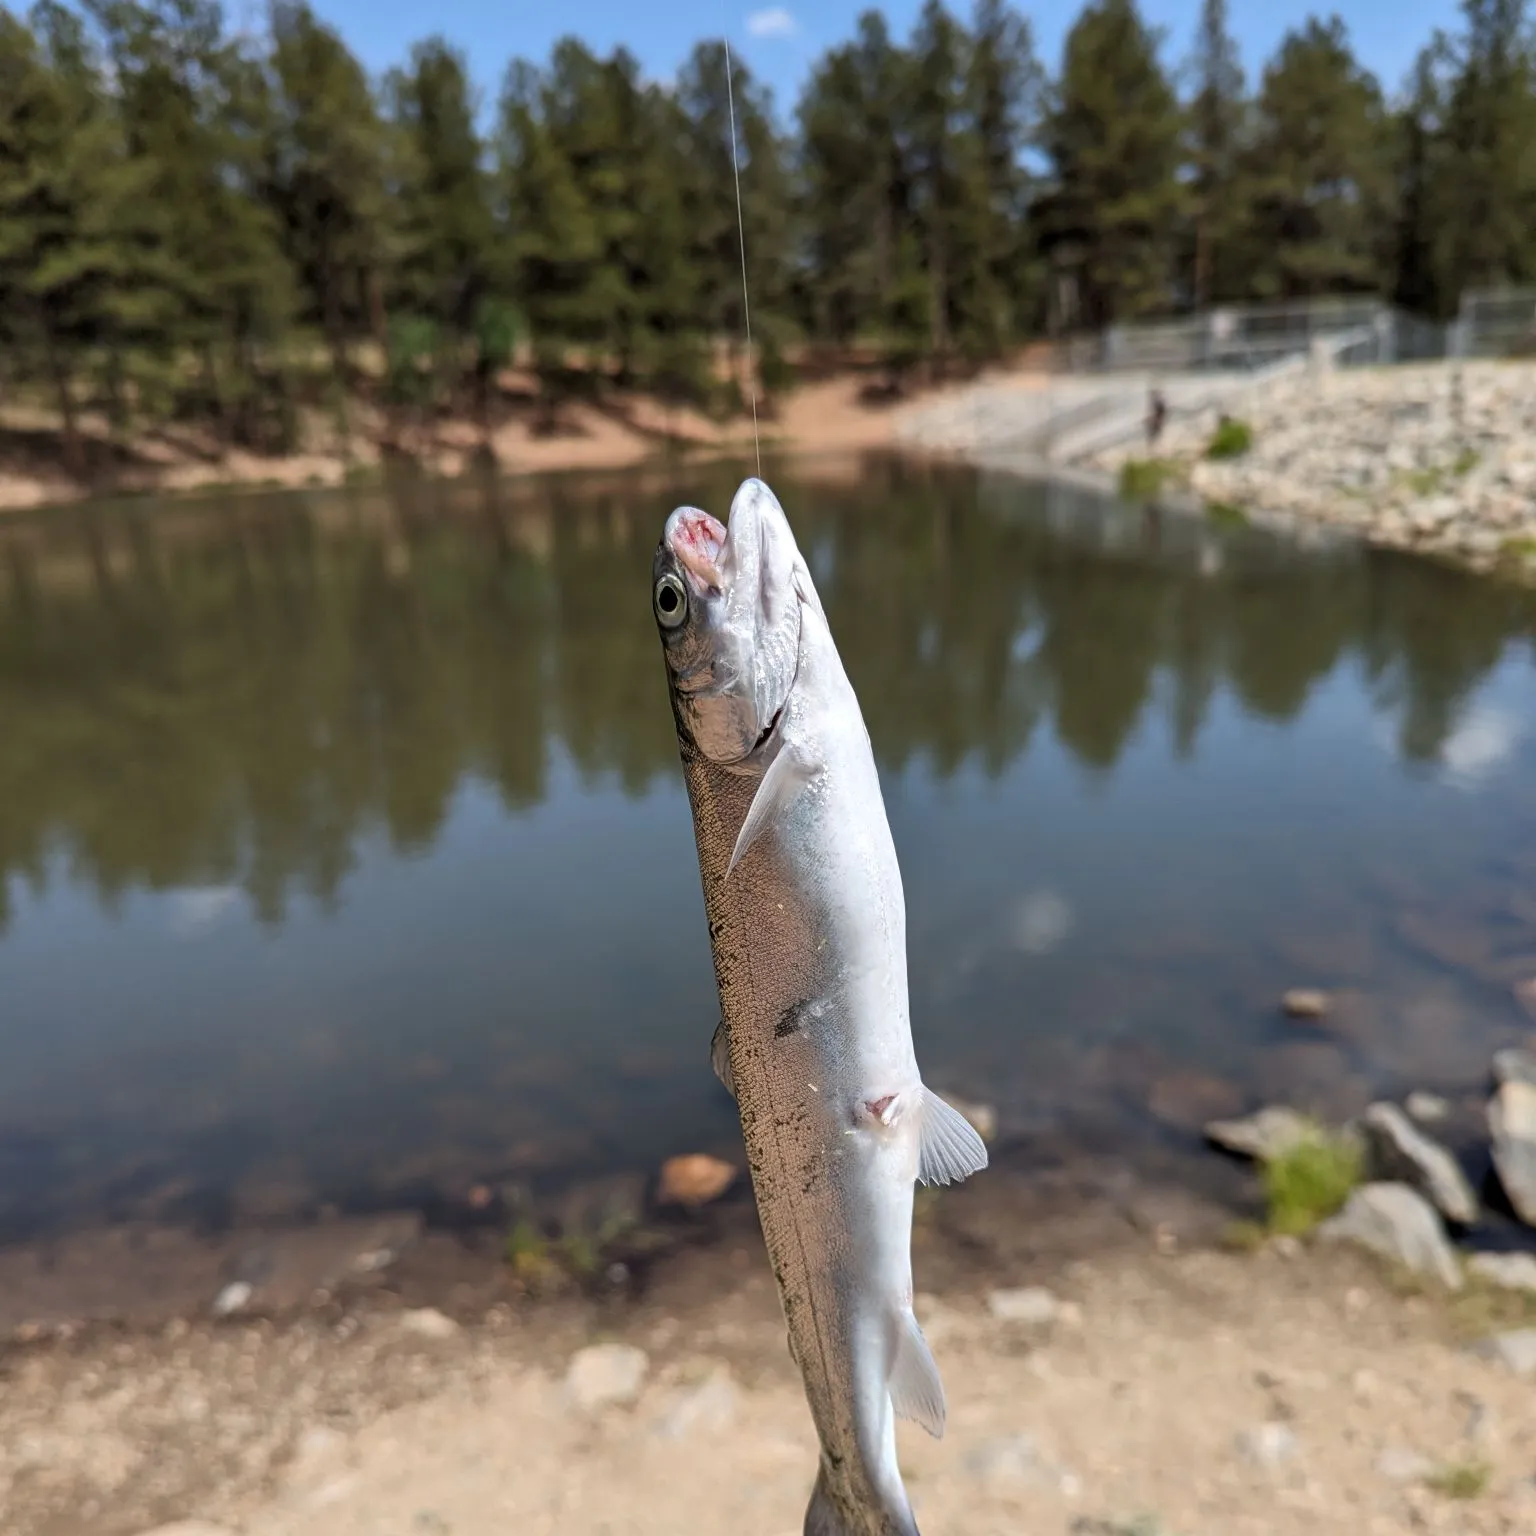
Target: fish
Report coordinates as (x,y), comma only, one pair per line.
(807,928)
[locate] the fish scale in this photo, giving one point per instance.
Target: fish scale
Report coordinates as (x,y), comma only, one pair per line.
(807,925)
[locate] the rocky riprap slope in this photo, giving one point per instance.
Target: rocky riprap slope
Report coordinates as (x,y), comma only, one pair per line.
(1437,457)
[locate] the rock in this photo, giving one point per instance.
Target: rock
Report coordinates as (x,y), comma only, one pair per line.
(1513,1271)
(1399,1150)
(314,1454)
(428,1323)
(1514,1066)
(1512,1124)
(233,1298)
(1397,1222)
(693,1179)
(1426,1108)
(1264,1136)
(709,1405)
(1018,1459)
(189,1528)
(1305,1003)
(983,1117)
(1400,1465)
(1516,1350)
(1032,1305)
(1269,1445)
(602,1375)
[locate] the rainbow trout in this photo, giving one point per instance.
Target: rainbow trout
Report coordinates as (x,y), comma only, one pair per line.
(807,924)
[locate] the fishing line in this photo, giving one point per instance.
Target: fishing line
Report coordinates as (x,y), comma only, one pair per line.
(741,240)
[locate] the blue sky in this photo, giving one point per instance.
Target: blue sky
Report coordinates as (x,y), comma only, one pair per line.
(780,41)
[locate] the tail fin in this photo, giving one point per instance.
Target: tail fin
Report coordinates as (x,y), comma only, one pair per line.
(828,1516)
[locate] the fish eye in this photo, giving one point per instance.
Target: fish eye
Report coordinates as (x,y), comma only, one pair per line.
(671,602)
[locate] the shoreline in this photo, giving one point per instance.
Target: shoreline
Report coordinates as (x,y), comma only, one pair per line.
(623,431)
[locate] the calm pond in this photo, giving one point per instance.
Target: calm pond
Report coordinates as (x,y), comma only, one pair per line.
(345,859)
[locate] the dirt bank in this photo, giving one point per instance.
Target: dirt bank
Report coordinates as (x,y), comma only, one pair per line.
(616,430)
(1199,1393)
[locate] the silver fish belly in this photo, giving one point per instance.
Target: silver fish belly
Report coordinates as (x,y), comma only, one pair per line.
(808,932)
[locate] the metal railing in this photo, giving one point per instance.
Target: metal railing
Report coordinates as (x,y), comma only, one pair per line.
(1243,338)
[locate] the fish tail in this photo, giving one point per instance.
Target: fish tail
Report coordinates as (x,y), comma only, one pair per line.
(830,1516)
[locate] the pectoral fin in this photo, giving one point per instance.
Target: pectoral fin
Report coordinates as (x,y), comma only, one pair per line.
(720,1057)
(787,775)
(949,1148)
(916,1391)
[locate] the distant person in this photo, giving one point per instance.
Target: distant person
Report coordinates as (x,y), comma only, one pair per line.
(1157,415)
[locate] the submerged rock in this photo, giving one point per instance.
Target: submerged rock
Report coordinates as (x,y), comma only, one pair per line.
(1305,1003)
(1264,1136)
(1188,1098)
(1397,1222)
(1399,1150)
(1512,1124)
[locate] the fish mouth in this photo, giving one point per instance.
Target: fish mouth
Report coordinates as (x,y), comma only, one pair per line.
(697,540)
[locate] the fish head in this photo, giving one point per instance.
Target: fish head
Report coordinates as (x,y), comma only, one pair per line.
(727,601)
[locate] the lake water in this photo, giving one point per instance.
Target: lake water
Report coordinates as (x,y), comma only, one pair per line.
(345,859)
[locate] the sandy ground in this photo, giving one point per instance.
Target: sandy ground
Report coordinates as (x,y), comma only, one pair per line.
(1184,1394)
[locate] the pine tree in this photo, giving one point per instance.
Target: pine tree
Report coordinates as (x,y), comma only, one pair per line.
(1003,88)
(444,217)
(1110,220)
(863,274)
(1488,191)
(1419,282)
(1216,125)
(1320,215)
(711,206)
(325,177)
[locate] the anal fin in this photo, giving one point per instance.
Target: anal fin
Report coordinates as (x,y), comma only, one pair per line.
(787,775)
(949,1148)
(916,1391)
(720,1057)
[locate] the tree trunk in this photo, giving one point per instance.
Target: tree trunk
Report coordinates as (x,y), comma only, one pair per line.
(72,456)
(1202,282)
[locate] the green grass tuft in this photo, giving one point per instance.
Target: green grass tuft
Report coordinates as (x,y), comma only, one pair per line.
(1461,1479)
(1311,1182)
(1144,479)
(1231,439)
(1224,515)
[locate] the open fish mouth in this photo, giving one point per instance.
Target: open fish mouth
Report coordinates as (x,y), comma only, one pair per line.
(698,540)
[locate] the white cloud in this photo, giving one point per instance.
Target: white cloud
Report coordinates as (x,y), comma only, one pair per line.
(773,22)
(1483,742)
(199,908)
(1040,922)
